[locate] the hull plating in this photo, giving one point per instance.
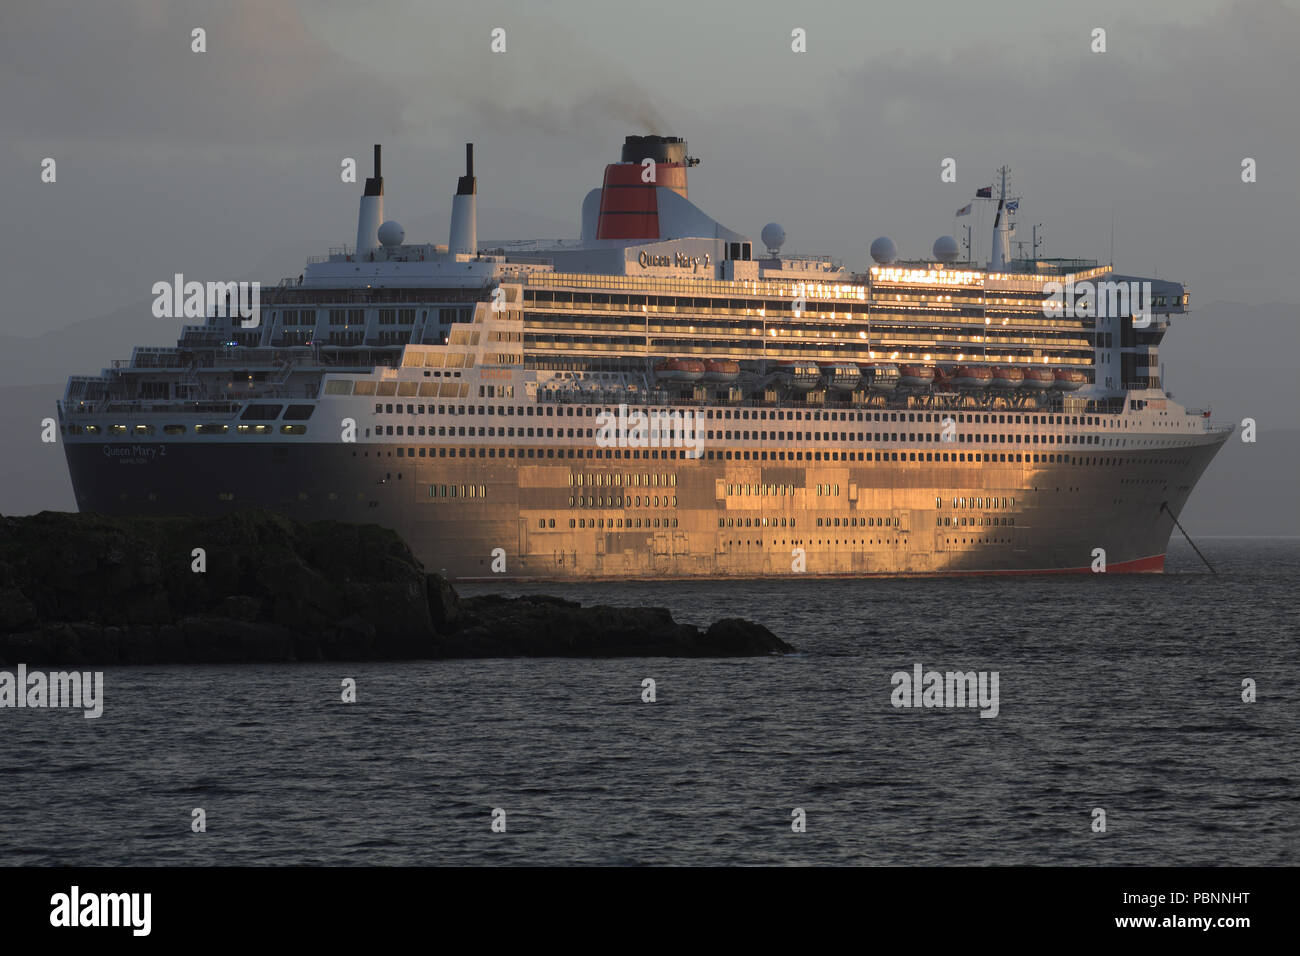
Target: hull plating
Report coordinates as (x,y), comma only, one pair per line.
(678,518)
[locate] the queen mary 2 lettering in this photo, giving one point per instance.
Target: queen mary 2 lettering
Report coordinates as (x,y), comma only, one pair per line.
(929,416)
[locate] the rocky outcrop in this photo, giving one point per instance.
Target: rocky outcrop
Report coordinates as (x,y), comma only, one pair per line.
(256,586)
(540,626)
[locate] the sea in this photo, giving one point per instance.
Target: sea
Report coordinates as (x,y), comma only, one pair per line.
(1141,720)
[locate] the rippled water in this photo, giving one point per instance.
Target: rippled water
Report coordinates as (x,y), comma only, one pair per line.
(1116,692)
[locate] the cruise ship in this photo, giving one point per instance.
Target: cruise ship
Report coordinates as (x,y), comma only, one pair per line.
(664,399)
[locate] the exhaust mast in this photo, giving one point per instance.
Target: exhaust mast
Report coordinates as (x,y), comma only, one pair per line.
(464,210)
(371,213)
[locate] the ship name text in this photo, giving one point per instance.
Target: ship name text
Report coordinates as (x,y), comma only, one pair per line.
(678,260)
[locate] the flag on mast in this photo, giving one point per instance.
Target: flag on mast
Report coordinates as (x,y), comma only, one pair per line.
(1013,205)
(984,193)
(965,210)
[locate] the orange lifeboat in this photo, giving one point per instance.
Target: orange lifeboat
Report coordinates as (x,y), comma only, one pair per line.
(972,376)
(1007,378)
(721,370)
(1039,378)
(679,370)
(1068,379)
(915,376)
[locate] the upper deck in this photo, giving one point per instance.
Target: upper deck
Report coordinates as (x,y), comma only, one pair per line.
(654,278)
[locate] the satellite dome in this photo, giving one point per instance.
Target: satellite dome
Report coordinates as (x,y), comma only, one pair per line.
(883,250)
(773,237)
(391,233)
(945,249)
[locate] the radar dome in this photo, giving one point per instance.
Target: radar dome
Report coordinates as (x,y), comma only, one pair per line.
(391,233)
(883,250)
(945,249)
(773,237)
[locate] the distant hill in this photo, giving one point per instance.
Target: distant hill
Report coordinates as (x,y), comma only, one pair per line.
(1248,489)
(33,475)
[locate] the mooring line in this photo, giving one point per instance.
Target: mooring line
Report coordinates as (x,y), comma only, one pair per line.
(1164,506)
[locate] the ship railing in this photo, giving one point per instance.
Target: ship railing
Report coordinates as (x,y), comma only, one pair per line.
(250,360)
(137,408)
(1216,425)
(149,362)
(636,395)
(798,257)
(209,398)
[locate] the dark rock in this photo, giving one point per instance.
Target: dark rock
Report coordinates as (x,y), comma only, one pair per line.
(541,626)
(16,612)
(170,645)
(353,639)
(23,647)
(64,644)
(444,602)
(239,607)
(90,589)
(99,644)
(734,635)
(139,645)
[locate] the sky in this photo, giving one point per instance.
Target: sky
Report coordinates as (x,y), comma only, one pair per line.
(224,161)
(225,164)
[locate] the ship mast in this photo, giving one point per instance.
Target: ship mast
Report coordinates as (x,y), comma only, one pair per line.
(1001,253)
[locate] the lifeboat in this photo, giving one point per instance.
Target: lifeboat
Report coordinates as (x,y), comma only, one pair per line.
(1068,379)
(1039,378)
(915,376)
(972,376)
(803,375)
(721,370)
(842,375)
(1007,378)
(882,378)
(679,370)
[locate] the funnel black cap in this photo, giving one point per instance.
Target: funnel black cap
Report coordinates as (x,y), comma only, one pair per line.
(375,184)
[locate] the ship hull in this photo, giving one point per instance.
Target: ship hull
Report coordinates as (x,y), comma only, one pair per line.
(692,518)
